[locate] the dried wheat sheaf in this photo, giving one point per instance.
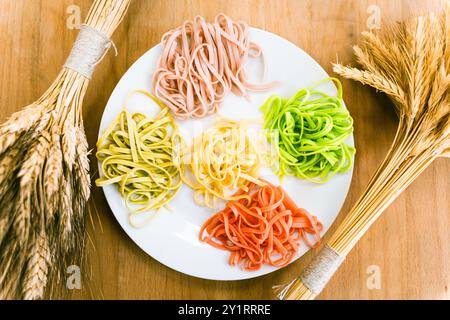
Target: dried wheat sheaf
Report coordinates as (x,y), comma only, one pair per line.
(410,62)
(45,182)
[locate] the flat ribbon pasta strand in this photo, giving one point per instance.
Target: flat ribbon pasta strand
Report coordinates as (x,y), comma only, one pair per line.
(139,156)
(309,131)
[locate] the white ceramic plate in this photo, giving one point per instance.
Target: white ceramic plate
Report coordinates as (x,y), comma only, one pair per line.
(172,236)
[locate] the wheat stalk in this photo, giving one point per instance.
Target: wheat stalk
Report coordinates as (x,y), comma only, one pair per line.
(66,211)
(410,63)
(44,179)
(28,176)
(35,278)
(82,163)
(19,123)
(5,224)
(69,144)
(373,80)
(53,171)
(6,163)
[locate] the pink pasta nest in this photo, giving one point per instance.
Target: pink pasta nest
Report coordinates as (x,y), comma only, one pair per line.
(201,63)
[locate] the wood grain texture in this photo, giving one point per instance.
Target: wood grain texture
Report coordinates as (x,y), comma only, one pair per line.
(410,243)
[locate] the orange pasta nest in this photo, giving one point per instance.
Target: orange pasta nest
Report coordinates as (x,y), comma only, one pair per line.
(201,63)
(264,228)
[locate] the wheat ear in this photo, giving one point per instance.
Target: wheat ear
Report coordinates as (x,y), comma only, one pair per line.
(66,211)
(53,169)
(69,144)
(82,161)
(373,80)
(37,269)
(28,175)
(18,123)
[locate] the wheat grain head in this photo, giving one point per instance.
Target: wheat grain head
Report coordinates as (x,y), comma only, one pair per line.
(69,144)
(83,152)
(373,80)
(28,174)
(53,169)
(7,164)
(19,123)
(35,277)
(66,211)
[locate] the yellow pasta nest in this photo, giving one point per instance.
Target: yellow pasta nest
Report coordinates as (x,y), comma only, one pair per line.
(222,160)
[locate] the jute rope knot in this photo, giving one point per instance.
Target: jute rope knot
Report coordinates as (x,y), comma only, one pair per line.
(89,49)
(322,268)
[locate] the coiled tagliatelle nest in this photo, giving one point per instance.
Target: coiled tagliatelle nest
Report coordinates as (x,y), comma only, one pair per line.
(224,158)
(139,155)
(201,63)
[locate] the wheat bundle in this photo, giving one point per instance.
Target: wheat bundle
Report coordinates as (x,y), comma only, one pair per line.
(44,170)
(410,62)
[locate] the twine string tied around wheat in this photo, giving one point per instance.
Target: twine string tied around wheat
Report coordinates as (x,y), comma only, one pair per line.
(88,50)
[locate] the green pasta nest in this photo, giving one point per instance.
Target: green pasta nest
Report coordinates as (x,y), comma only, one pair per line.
(310,132)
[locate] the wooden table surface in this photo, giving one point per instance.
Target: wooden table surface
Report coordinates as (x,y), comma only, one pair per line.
(406,254)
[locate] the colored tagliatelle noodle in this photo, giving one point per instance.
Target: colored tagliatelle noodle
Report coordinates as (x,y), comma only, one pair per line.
(222,159)
(139,155)
(310,132)
(201,63)
(264,227)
